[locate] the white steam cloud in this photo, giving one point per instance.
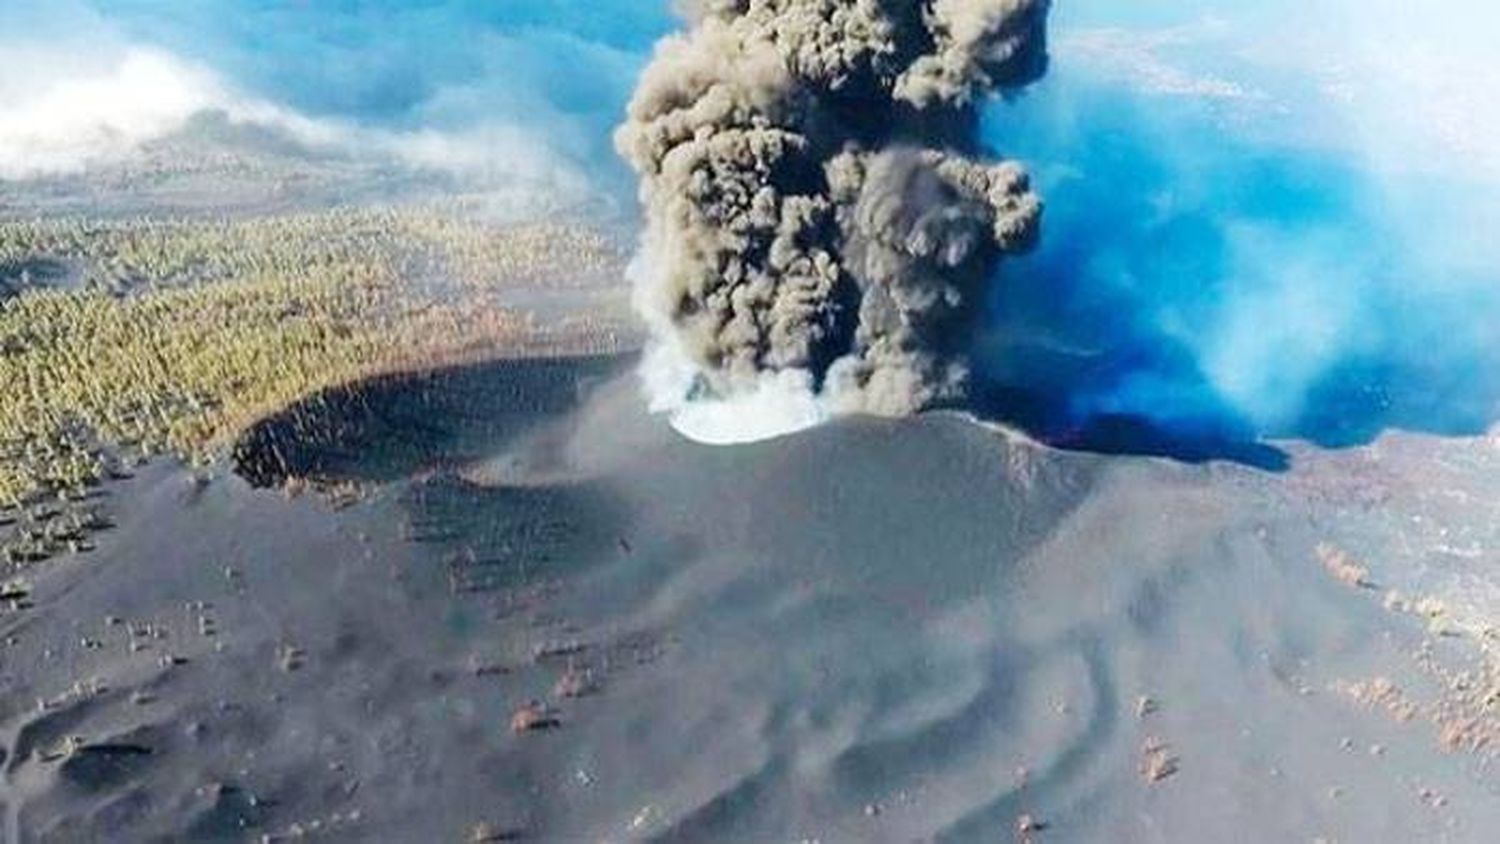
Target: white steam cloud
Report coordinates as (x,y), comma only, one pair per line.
(95,115)
(66,110)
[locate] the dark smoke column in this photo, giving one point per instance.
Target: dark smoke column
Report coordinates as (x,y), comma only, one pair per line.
(815,198)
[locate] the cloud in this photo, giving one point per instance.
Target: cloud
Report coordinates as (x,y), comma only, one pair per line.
(109,113)
(518,99)
(99,115)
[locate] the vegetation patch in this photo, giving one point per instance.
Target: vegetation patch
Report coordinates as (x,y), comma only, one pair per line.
(180,333)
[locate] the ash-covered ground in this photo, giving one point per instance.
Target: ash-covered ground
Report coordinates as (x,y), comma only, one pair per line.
(508,604)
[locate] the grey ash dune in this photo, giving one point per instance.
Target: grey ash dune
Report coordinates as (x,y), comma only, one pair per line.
(876,631)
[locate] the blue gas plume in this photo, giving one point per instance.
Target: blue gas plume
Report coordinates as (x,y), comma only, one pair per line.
(1238,251)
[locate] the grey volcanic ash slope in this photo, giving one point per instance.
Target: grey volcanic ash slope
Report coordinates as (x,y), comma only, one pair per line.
(767,643)
(814,196)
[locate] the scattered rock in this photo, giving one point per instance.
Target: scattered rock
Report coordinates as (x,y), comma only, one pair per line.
(1344,567)
(575,683)
(1026,825)
(289,658)
(481,668)
(1157,760)
(558,650)
(1145,705)
(643,818)
(534,717)
(485,833)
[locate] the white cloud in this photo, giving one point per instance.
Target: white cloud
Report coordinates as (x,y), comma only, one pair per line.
(97,114)
(65,110)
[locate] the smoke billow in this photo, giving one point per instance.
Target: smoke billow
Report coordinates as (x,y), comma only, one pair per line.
(821,219)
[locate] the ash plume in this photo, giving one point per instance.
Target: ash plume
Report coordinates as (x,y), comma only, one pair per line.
(818,205)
